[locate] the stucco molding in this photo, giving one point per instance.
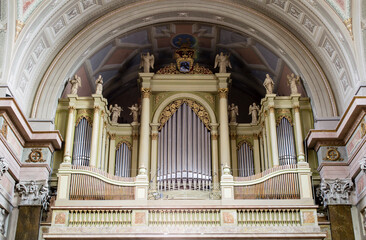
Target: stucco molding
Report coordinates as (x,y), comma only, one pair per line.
(336,191)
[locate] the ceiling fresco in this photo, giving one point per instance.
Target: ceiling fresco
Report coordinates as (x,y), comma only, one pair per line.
(118,62)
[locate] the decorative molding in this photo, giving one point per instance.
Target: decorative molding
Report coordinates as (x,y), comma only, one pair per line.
(223,92)
(35,156)
(197,108)
(145,92)
(18,28)
(3,216)
(283,113)
(336,191)
(363,164)
(4,167)
(33,193)
(128,144)
(333,154)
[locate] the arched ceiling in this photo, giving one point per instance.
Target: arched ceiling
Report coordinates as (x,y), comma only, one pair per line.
(118,62)
(91,37)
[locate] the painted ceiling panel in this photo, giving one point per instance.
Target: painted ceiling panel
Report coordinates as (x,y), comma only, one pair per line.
(249,55)
(229,37)
(97,58)
(136,38)
(107,75)
(269,56)
(260,75)
(119,56)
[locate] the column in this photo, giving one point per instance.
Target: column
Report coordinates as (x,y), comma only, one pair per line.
(234,152)
(94,140)
(101,142)
(135,148)
(33,197)
(224,129)
(335,194)
(268,143)
(103,145)
(215,155)
(273,132)
(106,153)
(70,129)
(261,146)
(145,129)
(112,153)
(298,131)
(154,153)
(256,154)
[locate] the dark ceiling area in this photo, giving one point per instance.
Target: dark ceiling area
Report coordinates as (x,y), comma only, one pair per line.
(118,62)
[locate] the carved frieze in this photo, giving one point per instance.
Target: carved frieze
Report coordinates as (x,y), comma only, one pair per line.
(336,191)
(4,166)
(33,193)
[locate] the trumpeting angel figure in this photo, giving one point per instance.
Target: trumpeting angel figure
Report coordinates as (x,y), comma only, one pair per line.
(115,112)
(233,112)
(99,85)
(75,84)
(223,62)
(253,110)
(268,84)
(293,81)
(135,111)
(147,62)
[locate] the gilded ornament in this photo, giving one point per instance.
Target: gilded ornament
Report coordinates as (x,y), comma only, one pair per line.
(348,23)
(35,156)
(214,136)
(283,113)
(172,69)
(18,28)
(124,142)
(199,110)
(363,128)
(145,92)
(4,129)
(154,136)
(242,142)
(223,92)
(333,154)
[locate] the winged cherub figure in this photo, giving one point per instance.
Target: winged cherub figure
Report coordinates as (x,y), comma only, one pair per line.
(253,110)
(223,62)
(75,84)
(147,62)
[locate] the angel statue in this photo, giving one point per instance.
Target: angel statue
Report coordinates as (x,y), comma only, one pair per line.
(147,62)
(135,110)
(75,84)
(115,112)
(233,112)
(99,85)
(268,84)
(293,82)
(253,110)
(223,62)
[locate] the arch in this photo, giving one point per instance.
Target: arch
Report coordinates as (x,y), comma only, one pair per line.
(239,17)
(177,96)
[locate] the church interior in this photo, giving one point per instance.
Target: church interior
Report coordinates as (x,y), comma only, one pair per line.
(163,119)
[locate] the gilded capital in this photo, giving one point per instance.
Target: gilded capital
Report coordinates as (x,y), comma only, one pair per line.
(214,136)
(145,92)
(223,92)
(113,136)
(154,136)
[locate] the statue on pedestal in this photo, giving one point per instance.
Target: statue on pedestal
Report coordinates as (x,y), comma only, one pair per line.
(115,112)
(253,110)
(233,112)
(135,111)
(223,62)
(75,84)
(268,84)
(293,82)
(147,62)
(99,85)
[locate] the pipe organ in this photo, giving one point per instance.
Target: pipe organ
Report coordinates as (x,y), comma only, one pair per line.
(245,160)
(123,160)
(184,152)
(286,143)
(82,140)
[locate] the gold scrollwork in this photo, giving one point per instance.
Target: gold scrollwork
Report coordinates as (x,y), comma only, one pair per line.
(124,142)
(4,129)
(283,113)
(36,155)
(85,113)
(240,143)
(223,92)
(363,128)
(197,108)
(154,136)
(145,92)
(333,154)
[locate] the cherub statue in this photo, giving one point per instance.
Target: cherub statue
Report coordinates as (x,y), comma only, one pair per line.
(147,62)
(75,84)
(268,84)
(135,110)
(115,112)
(233,112)
(223,62)
(253,110)
(293,82)
(99,85)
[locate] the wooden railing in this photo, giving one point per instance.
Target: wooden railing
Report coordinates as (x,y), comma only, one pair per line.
(93,184)
(277,183)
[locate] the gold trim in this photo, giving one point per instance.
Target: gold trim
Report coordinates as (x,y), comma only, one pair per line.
(214,136)
(35,156)
(145,92)
(348,23)
(125,142)
(197,108)
(18,28)
(154,136)
(333,154)
(223,92)
(283,113)
(242,142)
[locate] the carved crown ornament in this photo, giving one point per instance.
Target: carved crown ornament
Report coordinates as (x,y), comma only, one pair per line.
(333,154)
(35,156)
(336,191)
(33,193)
(197,108)
(4,167)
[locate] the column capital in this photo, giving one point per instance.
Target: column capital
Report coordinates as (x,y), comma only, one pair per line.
(33,193)
(223,92)
(145,92)
(4,167)
(336,191)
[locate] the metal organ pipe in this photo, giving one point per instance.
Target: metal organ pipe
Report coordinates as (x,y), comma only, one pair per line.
(184,152)
(82,140)
(123,161)
(286,143)
(245,160)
